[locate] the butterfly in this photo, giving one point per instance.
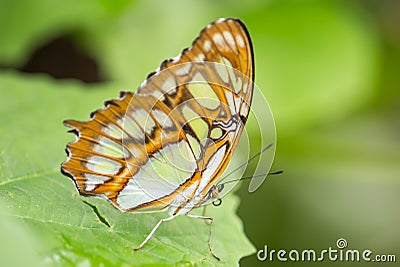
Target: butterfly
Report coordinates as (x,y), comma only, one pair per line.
(165,146)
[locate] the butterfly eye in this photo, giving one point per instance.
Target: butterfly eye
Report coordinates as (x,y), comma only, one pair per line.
(220,187)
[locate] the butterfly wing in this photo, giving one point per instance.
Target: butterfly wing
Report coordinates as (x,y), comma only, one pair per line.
(172,139)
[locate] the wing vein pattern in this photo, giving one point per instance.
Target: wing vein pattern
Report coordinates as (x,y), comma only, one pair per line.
(167,144)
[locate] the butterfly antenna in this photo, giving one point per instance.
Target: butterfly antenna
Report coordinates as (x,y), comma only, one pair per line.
(249,177)
(247,162)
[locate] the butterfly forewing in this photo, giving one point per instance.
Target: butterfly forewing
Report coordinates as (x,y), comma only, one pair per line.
(167,144)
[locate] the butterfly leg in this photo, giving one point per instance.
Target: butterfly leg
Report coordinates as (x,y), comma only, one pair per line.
(210,219)
(153,231)
(204,214)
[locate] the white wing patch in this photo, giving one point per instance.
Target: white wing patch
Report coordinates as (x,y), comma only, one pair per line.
(195,145)
(109,148)
(94,180)
(222,72)
(169,85)
(212,166)
(103,165)
(163,119)
(132,128)
(160,176)
(113,131)
(200,57)
(240,41)
(207,45)
(203,92)
(143,119)
(229,38)
(216,133)
(229,97)
(218,39)
(184,70)
(198,125)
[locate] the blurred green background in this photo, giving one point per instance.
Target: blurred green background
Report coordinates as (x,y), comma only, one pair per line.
(329,70)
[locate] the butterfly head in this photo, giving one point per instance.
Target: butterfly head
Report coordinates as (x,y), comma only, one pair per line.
(213,195)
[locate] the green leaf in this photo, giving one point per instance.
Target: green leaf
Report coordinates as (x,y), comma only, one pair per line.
(87,231)
(18,239)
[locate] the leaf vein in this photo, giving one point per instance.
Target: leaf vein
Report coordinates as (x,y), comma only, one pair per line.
(29,176)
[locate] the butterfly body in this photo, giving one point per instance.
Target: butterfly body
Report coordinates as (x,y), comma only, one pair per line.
(165,146)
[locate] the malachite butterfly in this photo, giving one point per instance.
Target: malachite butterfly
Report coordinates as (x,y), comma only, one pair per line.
(165,146)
